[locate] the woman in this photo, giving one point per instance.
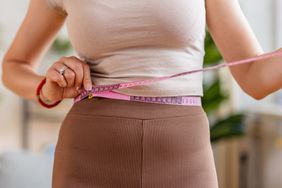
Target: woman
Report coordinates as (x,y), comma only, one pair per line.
(106,142)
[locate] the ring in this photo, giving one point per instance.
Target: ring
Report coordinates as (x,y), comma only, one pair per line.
(62,70)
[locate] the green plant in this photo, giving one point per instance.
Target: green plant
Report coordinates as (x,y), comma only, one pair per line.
(214,97)
(231,126)
(61,46)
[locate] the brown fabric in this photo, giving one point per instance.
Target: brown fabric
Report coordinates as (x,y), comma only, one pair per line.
(109,143)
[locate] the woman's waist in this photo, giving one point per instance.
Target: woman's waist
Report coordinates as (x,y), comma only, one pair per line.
(173,100)
(101,106)
(178,86)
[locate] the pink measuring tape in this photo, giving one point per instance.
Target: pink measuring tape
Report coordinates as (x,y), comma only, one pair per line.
(106,90)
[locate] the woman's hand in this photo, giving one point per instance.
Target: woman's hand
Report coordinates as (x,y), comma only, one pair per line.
(68,85)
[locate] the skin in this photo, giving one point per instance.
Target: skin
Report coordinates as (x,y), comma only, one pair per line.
(236,40)
(226,23)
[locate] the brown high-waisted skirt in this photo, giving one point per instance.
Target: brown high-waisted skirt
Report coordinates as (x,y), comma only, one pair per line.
(110,143)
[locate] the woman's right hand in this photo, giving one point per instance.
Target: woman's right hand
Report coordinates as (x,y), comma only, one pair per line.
(69,84)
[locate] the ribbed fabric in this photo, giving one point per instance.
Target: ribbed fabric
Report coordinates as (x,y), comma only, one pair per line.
(109,143)
(128,40)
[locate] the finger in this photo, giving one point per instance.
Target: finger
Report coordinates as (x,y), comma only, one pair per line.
(87,82)
(56,77)
(77,67)
(70,77)
(68,73)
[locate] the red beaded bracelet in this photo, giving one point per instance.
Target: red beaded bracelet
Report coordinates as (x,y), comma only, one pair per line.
(39,87)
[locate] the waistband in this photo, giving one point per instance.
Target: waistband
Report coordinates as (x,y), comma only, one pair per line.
(101,106)
(173,100)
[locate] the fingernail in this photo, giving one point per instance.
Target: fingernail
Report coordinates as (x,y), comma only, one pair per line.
(88,87)
(77,88)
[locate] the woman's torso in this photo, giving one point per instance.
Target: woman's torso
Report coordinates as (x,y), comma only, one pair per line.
(130,40)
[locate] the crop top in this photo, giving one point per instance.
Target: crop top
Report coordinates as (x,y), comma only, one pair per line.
(127,40)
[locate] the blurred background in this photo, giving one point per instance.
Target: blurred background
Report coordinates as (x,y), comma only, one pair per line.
(246,134)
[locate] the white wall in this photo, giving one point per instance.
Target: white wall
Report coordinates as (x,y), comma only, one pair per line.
(279,22)
(261,16)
